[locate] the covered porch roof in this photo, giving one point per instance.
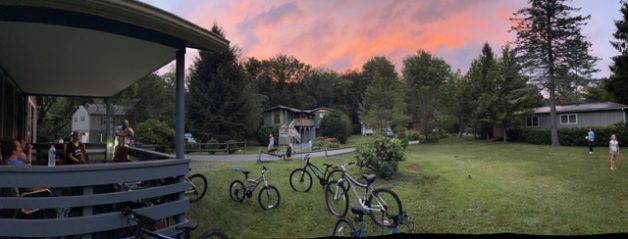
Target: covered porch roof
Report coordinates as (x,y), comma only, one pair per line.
(91,48)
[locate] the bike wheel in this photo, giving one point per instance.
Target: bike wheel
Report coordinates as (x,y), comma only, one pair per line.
(236,191)
(211,234)
(336,199)
(268,197)
(334,175)
(344,228)
(300,180)
(198,189)
(385,206)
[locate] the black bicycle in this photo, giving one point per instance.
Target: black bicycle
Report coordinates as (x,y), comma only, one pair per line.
(146,228)
(268,197)
(301,180)
(344,227)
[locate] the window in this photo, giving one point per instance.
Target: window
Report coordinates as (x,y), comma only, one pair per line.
(532,121)
(569,119)
(277,117)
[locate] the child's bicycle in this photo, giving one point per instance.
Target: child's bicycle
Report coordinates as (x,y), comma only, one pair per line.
(145,228)
(301,180)
(344,227)
(268,197)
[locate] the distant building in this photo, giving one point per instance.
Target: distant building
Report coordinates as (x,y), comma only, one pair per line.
(91,121)
(295,125)
(579,115)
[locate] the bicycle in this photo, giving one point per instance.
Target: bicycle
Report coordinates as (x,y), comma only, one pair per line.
(237,190)
(374,201)
(302,179)
(198,187)
(345,228)
(145,228)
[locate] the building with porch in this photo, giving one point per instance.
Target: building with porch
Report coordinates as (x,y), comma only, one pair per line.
(295,125)
(91,49)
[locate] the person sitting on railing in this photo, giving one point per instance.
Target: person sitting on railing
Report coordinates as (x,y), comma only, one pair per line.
(125,139)
(75,152)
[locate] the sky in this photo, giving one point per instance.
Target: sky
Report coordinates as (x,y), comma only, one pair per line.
(342,35)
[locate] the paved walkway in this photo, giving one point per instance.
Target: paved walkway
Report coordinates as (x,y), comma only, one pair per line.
(265,157)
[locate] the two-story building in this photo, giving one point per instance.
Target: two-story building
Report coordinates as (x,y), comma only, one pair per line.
(295,125)
(91,121)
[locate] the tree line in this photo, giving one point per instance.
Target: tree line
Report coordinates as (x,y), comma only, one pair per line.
(226,94)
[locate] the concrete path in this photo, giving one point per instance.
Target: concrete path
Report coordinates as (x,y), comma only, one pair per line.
(265,157)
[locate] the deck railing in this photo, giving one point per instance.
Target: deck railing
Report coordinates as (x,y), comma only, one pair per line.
(93,203)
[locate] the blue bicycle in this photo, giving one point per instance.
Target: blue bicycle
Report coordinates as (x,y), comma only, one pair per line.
(344,228)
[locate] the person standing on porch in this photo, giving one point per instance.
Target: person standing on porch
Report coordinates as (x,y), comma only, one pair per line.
(591,139)
(125,139)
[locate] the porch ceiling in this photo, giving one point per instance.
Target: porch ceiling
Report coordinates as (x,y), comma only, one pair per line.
(91,48)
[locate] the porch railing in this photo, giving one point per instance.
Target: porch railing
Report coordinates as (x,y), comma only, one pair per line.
(94,200)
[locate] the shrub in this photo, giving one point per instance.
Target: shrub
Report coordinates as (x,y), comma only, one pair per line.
(336,125)
(326,143)
(213,146)
(414,135)
(156,132)
(569,136)
(381,155)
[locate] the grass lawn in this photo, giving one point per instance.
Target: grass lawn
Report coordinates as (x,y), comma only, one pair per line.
(356,139)
(512,187)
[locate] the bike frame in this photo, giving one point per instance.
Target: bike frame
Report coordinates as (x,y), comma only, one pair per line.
(254,182)
(361,199)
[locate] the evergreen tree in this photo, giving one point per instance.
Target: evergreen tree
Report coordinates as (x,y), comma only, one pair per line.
(382,104)
(482,76)
(222,103)
(544,31)
(424,77)
(618,83)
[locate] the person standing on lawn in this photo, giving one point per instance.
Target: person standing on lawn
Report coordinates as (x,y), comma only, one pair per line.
(591,139)
(613,149)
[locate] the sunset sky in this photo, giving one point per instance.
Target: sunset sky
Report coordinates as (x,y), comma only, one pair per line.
(343,35)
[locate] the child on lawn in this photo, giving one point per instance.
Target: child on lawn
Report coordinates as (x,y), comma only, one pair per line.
(613,149)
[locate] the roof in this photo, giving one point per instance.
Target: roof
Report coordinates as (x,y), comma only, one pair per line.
(582,107)
(101,109)
(295,109)
(91,48)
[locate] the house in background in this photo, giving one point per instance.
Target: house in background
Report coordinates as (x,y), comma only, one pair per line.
(91,121)
(295,125)
(580,115)
(366,130)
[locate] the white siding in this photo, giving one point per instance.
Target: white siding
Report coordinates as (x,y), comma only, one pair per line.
(77,124)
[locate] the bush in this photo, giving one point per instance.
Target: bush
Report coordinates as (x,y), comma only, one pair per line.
(414,135)
(326,143)
(264,131)
(156,132)
(213,146)
(382,155)
(336,125)
(569,136)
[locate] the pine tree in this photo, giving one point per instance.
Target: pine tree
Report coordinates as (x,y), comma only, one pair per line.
(222,103)
(618,83)
(544,31)
(481,77)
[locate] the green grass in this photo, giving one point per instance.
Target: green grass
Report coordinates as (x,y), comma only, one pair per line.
(515,188)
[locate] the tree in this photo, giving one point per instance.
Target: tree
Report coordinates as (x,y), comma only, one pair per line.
(424,77)
(544,30)
(55,116)
(154,131)
(154,99)
(512,93)
(618,83)
(336,125)
(382,104)
(222,102)
(482,76)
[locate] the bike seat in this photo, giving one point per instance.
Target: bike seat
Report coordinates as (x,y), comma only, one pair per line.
(327,164)
(188,226)
(357,209)
(369,178)
(246,173)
